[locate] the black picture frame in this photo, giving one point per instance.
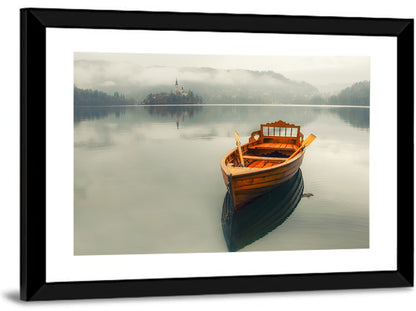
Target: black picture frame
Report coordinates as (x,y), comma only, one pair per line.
(35,21)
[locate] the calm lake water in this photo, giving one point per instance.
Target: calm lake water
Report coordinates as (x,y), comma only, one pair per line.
(148,180)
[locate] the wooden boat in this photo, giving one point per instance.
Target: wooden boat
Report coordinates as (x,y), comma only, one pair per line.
(272,156)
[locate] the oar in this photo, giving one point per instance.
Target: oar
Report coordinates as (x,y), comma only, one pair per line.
(237,139)
(305,143)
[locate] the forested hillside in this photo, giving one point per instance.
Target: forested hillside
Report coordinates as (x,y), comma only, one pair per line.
(358,94)
(90,97)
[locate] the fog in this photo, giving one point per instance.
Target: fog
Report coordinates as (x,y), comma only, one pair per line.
(96,74)
(126,71)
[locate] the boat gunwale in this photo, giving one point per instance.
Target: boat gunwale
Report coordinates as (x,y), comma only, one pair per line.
(251,170)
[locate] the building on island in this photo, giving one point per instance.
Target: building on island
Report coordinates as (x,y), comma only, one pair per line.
(179,91)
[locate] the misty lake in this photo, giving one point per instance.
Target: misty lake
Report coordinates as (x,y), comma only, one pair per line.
(147,179)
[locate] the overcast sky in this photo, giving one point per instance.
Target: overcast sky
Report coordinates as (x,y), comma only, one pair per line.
(316,70)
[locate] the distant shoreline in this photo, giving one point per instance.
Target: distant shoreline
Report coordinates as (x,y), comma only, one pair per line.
(225,105)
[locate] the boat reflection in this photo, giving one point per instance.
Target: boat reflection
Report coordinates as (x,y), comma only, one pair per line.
(261,216)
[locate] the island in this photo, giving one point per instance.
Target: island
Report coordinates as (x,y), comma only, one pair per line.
(175,97)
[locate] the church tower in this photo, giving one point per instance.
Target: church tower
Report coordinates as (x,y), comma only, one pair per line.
(176,87)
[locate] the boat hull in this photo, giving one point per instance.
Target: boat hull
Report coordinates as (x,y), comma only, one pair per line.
(245,184)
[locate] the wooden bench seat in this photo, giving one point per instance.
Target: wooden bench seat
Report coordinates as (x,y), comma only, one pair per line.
(277,146)
(272,159)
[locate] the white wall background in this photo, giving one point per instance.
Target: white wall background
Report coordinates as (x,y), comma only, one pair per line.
(378,299)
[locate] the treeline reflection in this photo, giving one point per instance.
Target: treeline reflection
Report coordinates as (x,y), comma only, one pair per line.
(356,117)
(94,113)
(177,113)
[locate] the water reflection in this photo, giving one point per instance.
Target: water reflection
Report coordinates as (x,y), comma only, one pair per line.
(177,112)
(96,113)
(261,216)
(125,157)
(357,117)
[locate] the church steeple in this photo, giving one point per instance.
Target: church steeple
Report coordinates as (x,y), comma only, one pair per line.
(176,86)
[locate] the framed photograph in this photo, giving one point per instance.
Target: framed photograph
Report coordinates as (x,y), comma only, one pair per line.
(167,153)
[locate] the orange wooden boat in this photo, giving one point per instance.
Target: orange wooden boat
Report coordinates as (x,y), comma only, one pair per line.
(272,156)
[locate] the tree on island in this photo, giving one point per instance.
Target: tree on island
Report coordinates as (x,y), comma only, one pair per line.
(171,99)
